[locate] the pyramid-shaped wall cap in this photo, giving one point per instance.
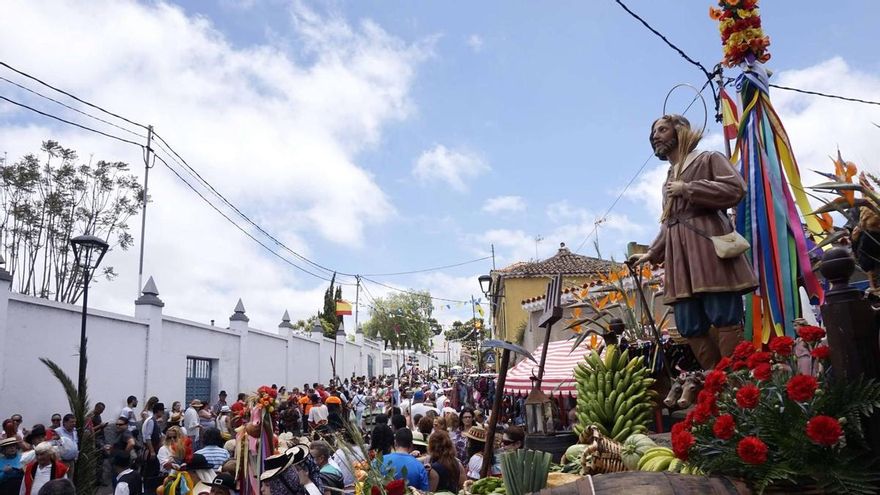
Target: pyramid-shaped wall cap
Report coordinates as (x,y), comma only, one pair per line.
(239,313)
(149,295)
(285,321)
(360,329)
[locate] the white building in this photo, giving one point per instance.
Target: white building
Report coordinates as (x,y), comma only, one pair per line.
(151,353)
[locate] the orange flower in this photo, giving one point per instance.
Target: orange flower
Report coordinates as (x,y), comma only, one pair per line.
(715,14)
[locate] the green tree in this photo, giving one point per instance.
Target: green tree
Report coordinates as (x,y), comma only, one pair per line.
(403,320)
(469,336)
(329,320)
(47,198)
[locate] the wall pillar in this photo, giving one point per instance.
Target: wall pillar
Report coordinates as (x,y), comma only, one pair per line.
(5,289)
(318,336)
(286,328)
(149,307)
(239,323)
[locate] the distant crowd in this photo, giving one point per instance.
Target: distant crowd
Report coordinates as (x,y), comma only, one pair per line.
(416,424)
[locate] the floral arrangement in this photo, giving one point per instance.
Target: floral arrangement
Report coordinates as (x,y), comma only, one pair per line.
(741,33)
(776,418)
(267,398)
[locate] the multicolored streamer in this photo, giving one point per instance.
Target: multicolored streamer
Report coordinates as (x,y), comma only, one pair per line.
(768,216)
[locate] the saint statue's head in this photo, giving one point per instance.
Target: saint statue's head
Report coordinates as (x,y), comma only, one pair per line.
(672,137)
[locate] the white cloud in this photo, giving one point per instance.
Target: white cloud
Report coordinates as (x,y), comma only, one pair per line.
(502,204)
(475,42)
(278,134)
(454,167)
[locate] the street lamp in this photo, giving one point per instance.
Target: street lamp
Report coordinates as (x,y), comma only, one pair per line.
(340,332)
(88,251)
(485,284)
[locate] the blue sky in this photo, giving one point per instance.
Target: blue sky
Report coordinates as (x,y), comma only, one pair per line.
(546,106)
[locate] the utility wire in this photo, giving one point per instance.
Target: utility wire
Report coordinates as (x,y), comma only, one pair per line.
(236,225)
(631,180)
(826,95)
(68,122)
(426,269)
(660,35)
(84,102)
(99,119)
(240,213)
(411,292)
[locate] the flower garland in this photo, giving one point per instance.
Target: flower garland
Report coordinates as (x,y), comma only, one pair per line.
(741,32)
(775,416)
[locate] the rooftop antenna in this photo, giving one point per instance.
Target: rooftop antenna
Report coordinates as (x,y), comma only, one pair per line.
(538,238)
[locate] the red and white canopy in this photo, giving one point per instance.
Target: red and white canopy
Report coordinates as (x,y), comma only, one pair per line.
(558,370)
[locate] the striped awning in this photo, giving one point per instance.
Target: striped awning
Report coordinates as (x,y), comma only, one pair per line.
(558,371)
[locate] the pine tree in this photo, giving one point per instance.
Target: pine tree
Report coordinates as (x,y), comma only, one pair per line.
(328,317)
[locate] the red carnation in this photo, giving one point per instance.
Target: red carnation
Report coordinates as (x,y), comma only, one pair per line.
(701,413)
(682,441)
(724,427)
(782,345)
(810,333)
(801,388)
(747,397)
(723,364)
(739,365)
(824,430)
(715,380)
(820,352)
(743,350)
(762,372)
(758,358)
(752,450)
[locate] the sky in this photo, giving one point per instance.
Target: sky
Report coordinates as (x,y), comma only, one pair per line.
(383,137)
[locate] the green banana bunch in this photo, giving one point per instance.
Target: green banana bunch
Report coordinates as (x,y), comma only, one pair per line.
(487,485)
(614,394)
(658,459)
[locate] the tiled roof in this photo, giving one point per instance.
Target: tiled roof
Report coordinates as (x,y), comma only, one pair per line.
(564,262)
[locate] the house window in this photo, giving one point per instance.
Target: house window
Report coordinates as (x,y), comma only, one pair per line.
(198,379)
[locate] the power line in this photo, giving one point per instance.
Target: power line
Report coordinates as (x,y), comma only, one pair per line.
(84,102)
(426,269)
(99,119)
(236,225)
(826,95)
(666,40)
(412,292)
(32,109)
(631,180)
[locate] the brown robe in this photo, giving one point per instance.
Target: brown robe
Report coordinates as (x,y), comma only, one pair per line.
(691,266)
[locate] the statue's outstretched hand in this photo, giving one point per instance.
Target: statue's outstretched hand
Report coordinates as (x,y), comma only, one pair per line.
(637,259)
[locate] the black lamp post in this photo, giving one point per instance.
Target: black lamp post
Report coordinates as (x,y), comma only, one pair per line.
(485,284)
(88,252)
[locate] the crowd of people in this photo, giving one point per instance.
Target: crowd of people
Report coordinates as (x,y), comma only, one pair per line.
(413,426)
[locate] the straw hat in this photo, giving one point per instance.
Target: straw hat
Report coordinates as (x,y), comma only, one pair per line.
(196,403)
(419,439)
(277,464)
(477,433)
(8,442)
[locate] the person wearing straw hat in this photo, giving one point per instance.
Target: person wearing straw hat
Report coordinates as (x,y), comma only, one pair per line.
(191,421)
(476,436)
(11,472)
(201,471)
(292,472)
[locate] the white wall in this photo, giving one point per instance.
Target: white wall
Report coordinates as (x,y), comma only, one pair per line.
(145,355)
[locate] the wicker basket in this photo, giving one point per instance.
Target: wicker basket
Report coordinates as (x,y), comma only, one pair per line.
(602,454)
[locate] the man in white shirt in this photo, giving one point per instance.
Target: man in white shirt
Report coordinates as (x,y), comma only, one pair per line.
(128,481)
(128,413)
(69,443)
(318,414)
(419,408)
(191,420)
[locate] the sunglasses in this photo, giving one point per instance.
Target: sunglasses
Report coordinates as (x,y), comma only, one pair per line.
(121,424)
(16,420)
(170,437)
(507,442)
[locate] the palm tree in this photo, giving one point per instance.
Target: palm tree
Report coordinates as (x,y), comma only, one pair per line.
(87,462)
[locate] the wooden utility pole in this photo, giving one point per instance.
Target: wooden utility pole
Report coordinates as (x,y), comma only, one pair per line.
(148,153)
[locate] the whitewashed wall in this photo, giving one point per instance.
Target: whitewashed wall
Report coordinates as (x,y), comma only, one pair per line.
(146,354)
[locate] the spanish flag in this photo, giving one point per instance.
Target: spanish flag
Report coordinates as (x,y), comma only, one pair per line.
(343,308)
(729,115)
